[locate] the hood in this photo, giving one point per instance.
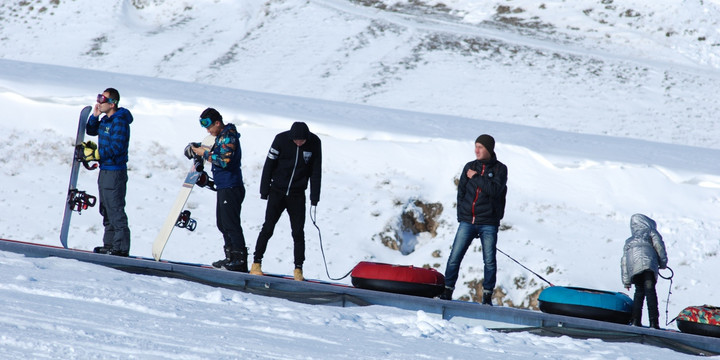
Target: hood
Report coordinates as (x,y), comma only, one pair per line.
(641,224)
(123,114)
(230,128)
(299,131)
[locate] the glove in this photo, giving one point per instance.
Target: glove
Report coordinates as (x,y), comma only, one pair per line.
(313,202)
(263,197)
(90,151)
(189,153)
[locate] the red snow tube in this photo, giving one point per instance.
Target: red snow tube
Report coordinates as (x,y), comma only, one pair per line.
(398,279)
(700,320)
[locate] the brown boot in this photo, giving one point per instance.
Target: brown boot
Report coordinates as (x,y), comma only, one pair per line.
(256,269)
(298,275)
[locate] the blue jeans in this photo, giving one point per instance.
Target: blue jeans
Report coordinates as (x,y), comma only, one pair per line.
(463,238)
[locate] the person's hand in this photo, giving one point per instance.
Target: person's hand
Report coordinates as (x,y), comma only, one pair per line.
(189,150)
(263,196)
(90,151)
(470,173)
(199,151)
(313,203)
(96,110)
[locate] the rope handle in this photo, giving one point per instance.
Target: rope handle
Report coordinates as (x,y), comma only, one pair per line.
(313,217)
(667,302)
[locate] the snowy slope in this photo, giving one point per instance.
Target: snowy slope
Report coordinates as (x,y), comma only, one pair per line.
(91,312)
(645,70)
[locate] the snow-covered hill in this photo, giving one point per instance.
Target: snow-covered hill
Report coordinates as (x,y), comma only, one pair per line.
(645,70)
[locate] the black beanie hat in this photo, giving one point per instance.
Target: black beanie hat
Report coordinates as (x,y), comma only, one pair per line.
(211,114)
(487,141)
(299,131)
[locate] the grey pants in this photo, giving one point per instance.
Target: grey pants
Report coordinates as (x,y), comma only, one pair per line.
(112,186)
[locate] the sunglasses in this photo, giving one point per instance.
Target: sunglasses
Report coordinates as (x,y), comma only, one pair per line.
(205,122)
(101,99)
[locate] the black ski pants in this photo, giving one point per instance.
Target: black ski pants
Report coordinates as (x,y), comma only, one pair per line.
(227,213)
(278,202)
(645,289)
(112,186)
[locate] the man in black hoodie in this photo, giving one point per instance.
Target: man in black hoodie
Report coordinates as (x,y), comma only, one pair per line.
(295,158)
(480,206)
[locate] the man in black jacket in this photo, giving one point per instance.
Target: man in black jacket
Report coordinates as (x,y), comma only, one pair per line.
(295,158)
(480,206)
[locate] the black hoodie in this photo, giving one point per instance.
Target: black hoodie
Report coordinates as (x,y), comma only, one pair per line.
(289,167)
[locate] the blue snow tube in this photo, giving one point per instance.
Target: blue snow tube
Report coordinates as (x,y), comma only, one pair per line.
(587,303)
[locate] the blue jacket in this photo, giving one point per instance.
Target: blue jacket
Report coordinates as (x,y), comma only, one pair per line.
(226,158)
(113,134)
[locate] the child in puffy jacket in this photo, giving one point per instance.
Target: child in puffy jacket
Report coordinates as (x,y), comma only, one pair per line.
(643,254)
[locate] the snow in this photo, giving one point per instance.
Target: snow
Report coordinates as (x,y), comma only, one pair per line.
(600,110)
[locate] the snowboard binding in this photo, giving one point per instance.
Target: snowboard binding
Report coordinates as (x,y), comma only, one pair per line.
(204,180)
(184,221)
(80,200)
(80,157)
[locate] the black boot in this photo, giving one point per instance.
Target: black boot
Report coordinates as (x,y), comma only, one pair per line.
(238,261)
(220,263)
(487,297)
(102,249)
(654,324)
(447,294)
(116,252)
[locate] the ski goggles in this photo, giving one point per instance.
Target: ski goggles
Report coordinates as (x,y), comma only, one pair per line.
(205,122)
(101,99)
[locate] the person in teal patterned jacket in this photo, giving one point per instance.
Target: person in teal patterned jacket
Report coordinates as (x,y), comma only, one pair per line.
(225,157)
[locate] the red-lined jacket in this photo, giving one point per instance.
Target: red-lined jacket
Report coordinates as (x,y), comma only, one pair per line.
(481,200)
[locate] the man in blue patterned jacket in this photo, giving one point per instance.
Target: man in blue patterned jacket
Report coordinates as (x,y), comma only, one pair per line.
(225,157)
(111,152)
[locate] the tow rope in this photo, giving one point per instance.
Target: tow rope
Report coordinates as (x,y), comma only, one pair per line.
(667,302)
(525,267)
(313,217)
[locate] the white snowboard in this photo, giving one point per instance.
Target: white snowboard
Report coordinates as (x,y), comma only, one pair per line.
(187,186)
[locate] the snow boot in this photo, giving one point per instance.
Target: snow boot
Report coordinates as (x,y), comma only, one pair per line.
(124,253)
(238,261)
(447,294)
(654,324)
(220,263)
(256,269)
(487,297)
(102,249)
(298,275)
